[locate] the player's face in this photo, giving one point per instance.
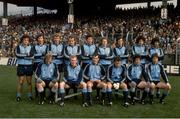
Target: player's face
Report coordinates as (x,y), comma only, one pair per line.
(41,40)
(137,61)
(90,40)
(117,63)
(57,40)
(95,60)
(104,42)
(25,41)
(141,42)
(156,44)
(120,42)
(71,41)
(155,60)
(73,61)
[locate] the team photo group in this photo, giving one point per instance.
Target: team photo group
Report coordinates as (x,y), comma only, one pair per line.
(103,68)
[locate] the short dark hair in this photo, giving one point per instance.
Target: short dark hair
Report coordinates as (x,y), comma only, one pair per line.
(139,38)
(155,55)
(89,35)
(156,39)
(136,56)
(117,59)
(95,55)
(38,36)
(25,36)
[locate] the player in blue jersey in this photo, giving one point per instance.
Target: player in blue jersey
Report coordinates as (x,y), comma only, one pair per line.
(94,75)
(47,76)
(116,76)
(88,49)
(155,48)
(72,48)
(73,79)
(40,50)
(121,51)
(137,78)
(140,49)
(24,53)
(105,53)
(155,72)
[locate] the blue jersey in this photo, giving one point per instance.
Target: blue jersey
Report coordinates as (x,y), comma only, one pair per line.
(71,50)
(106,55)
(121,52)
(73,74)
(87,52)
(39,52)
(94,72)
(47,72)
(159,51)
(57,52)
(116,74)
(140,50)
(155,71)
(136,72)
(24,54)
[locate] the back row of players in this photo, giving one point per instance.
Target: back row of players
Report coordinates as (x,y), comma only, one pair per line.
(89,65)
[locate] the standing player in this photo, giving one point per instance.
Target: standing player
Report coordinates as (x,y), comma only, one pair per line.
(135,73)
(56,48)
(140,49)
(72,79)
(116,75)
(121,51)
(88,49)
(94,75)
(47,76)
(155,72)
(71,49)
(40,49)
(24,53)
(105,53)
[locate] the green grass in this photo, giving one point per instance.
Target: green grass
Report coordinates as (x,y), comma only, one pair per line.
(10,108)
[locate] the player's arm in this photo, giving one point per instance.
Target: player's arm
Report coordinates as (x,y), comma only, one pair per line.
(109,73)
(85,72)
(163,74)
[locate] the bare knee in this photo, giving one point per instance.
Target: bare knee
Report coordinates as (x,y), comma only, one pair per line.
(62,85)
(109,85)
(123,86)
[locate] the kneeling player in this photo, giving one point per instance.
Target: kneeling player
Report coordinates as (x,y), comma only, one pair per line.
(94,75)
(135,72)
(116,75)
(155,71)
(47,75)
(73,79)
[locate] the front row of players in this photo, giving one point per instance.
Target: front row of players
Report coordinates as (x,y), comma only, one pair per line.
(94,75)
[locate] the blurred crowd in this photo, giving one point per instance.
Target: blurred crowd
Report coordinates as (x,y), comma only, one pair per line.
(129,24)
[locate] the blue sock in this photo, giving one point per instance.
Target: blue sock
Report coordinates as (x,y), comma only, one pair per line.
(29,94)
(18,94)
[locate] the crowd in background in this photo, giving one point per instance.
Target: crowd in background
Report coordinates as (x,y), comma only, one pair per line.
(129,24)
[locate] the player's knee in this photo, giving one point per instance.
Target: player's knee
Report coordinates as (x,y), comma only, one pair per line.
(84,85)
(152,86)
(55,85)
(109,86)
(62,85)
(40,88)
(123,86)
(168,87)
(89,85)
(104,85)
